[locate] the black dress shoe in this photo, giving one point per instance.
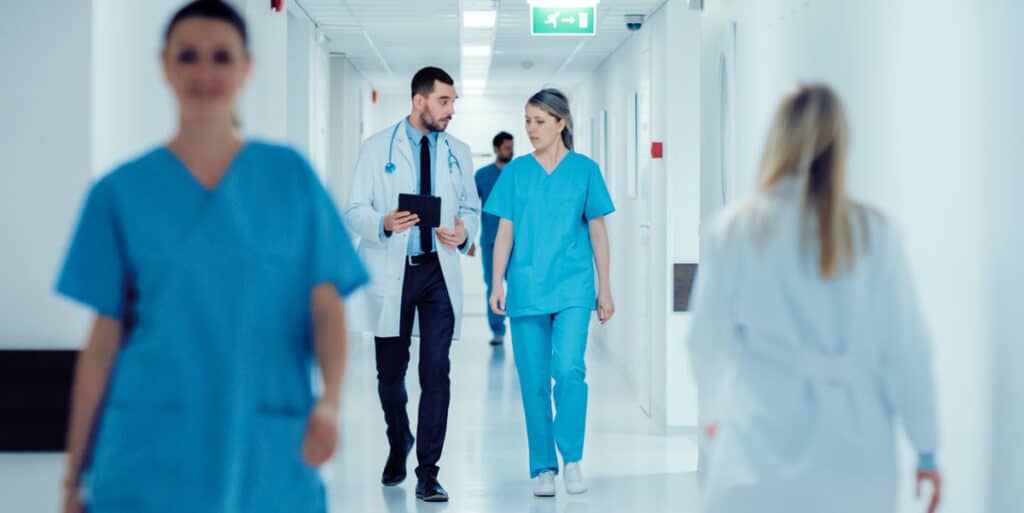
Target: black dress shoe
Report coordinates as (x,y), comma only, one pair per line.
(394,469)
(429,490)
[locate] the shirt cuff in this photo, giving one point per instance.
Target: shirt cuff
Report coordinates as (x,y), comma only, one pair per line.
(383,234)
(926,461)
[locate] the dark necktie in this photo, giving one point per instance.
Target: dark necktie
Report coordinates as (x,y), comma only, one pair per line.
(426,234)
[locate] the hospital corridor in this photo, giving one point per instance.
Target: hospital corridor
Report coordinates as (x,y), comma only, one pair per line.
(511,256)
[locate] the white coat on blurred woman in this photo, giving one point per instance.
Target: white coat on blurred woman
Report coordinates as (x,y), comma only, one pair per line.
(807,342)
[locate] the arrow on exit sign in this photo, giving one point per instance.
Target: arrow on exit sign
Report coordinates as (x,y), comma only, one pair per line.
(564,21)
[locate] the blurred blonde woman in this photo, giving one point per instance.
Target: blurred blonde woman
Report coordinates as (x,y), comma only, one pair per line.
(807,342)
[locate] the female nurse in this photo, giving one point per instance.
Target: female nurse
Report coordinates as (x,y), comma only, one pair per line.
(552,205)
(215,266)
(807,342)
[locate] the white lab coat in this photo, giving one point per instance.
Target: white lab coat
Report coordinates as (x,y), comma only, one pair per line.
(374,194)
(806,376)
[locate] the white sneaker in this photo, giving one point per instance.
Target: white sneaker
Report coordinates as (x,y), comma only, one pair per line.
(544,484)
(574,479)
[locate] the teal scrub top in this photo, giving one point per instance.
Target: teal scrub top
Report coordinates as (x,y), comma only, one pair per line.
(551,267)
(209,395)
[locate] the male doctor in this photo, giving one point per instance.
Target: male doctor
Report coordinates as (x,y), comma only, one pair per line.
(415,269)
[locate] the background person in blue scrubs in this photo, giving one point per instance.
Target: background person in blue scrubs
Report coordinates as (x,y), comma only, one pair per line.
(486,177)
(215,266)
(552,205)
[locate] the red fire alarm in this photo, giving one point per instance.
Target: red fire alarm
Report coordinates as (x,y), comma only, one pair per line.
(657,150)
(277,5)
(374,96)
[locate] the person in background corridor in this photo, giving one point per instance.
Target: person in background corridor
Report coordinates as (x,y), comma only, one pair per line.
(807,342)
(552,205)
(485,180)
(216,267)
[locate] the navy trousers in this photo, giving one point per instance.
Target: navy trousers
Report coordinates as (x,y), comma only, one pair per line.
(424,292)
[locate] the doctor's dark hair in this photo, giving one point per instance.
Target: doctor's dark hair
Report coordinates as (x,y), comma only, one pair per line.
(423,80)
(501,138)
(555,102)
(808,143)
(212,10)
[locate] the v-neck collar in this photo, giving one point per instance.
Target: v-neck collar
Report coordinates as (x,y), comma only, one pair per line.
(558,165)
(180,164)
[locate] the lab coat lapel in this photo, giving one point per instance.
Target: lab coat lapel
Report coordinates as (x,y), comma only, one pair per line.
(441,173)
(408,170)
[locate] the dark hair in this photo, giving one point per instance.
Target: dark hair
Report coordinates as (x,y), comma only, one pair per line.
(423,80)
(501,138)
(555,102)
(213,10)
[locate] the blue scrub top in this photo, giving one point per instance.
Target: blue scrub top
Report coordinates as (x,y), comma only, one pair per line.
(486,177)
(209,395)
(552,263)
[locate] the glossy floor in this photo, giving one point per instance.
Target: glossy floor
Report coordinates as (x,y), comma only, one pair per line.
(484,467)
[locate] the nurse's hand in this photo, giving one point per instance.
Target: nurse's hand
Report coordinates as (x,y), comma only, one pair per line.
(498,298)
(400,221)
(321,434)
(605,306)
(72,499)
(935,478)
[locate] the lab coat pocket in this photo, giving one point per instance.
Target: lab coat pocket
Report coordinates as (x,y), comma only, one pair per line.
(376,261)
(281,480)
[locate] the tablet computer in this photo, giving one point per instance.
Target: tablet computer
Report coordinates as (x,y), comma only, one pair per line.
(427,207)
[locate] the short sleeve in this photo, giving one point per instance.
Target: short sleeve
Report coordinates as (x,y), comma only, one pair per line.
(94,271)
(501,200)
(599,202)
(334,259)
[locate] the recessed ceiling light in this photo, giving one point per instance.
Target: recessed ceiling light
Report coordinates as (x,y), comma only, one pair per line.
(479,19)
(476,50)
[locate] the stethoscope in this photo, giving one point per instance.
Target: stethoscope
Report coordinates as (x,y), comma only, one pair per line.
(453,161)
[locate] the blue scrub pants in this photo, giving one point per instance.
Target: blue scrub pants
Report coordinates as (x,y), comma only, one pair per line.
(550,347)
(424,290)
(497,321)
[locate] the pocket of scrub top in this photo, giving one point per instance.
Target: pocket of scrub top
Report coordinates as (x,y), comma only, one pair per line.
(520,288)
(140,457)
(281,480)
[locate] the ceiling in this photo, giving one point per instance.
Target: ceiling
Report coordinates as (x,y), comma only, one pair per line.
(388,40)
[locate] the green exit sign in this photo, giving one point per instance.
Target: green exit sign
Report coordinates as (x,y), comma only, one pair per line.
(564,21)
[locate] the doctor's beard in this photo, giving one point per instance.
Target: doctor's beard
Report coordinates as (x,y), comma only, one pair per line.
(433,124)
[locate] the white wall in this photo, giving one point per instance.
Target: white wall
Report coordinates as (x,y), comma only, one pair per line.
(264,105)
(133,108)
(915,76)
(1002,72)
(662,62)
(346,117)
(47,152)
(44,138)
(299,67)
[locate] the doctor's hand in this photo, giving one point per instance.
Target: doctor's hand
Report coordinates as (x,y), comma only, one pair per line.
(321,434)
(398,222)
(935,478)
(497,299)
(453,238)
(605,305)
